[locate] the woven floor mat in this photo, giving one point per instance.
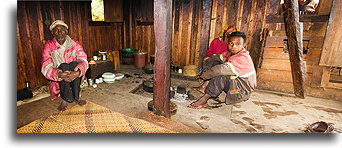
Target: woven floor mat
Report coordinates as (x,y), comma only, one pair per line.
(91,118)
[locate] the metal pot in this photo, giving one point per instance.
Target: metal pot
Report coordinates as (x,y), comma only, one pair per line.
(148,86)
(148,69)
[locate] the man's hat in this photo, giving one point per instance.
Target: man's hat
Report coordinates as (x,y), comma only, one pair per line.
(57,22)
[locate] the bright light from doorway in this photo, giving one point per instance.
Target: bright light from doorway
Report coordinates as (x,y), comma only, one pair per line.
(97,10)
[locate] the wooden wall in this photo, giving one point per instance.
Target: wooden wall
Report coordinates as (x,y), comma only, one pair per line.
(191,17)
(138,23)
(194,25)
(32,33)
(275,70)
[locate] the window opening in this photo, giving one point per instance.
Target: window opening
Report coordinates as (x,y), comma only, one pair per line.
(97,10)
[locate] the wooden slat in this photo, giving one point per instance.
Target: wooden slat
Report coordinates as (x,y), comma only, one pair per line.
(79,25)
(40,23)
(194,31)
(113,11)
(278,41)
(275,86)
(175,31)
(246,14)
(324,7)
(273,7)
(275,75)
(305,18)
(313,56)
(46,16)
(275,53)
(198,36)
(276,64)
(332,48)
(233,9)
(85,29)
(186,25)
(204,39)
(239,15)
(219,17)
(180,24)
(315,29)
(213,20)
(279,76)
(149,40)
(275,41)
(21,71)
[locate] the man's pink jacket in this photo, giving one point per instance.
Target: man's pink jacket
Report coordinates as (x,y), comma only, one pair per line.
(50,61)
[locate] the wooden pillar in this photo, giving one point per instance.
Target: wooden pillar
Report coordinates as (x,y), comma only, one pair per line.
(295,45)
(162,30)
(205,31)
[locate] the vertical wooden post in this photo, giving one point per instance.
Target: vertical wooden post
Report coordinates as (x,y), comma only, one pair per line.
(205,31)
(162,29)
(295,45)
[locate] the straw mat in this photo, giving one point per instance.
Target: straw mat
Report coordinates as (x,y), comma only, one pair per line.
(91,118)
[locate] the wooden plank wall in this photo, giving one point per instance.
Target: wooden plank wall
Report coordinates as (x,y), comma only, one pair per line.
(187,25)
(32,33)
(138,25)
(275,70)
(247,15)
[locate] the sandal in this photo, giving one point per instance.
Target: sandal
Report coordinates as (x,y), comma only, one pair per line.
(194,106)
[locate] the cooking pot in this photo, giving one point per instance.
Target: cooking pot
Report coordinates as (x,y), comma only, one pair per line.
(148,68)
(148,86)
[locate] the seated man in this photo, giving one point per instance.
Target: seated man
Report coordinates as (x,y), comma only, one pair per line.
(236,75)
(217,46)
(64,63)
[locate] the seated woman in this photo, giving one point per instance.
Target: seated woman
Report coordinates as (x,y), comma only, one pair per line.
(235,75)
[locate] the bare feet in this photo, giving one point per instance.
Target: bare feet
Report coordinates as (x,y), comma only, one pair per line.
(62,106)
(81,102)
(200,103)
(199,89)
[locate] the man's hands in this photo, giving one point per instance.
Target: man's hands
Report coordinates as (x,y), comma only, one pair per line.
(69,76)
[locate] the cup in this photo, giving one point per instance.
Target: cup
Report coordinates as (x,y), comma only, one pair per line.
(91,82)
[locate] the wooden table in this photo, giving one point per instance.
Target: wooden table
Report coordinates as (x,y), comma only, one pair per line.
(96,70)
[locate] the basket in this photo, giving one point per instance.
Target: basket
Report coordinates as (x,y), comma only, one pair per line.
(190,71)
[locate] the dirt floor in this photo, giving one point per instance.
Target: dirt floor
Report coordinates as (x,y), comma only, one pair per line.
(264,112)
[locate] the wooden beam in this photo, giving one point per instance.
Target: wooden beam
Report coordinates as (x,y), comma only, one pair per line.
(295,45)
(162,29)
(204,40)
(313,18)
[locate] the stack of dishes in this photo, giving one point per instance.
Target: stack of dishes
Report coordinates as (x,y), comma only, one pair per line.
(108,77)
